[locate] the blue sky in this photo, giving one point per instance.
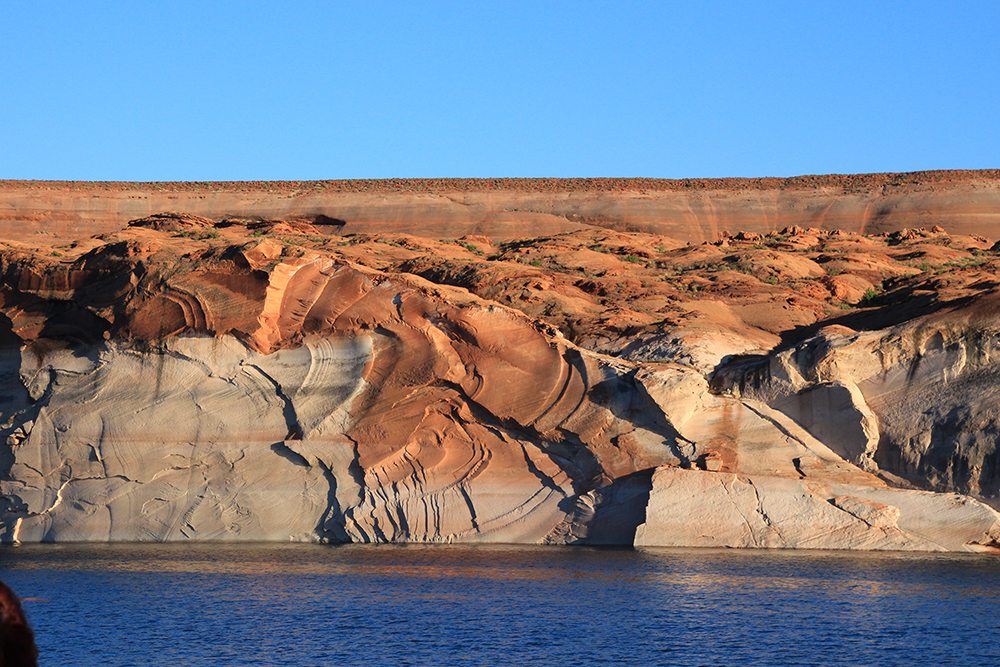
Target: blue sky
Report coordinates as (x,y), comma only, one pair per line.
(316,90)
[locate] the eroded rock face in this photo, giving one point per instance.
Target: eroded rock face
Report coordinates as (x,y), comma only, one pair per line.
(918,400)
(230,383)
(691,210)
(181,440)
(696,508)
(394,415)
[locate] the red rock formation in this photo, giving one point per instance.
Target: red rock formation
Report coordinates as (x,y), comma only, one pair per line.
(264,380)
(967,202)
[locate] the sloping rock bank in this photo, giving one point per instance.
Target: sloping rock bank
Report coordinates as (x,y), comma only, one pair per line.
(187,379)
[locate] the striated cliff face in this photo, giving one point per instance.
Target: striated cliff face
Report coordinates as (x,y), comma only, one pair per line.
(967,202)
(337,404)
(192,379)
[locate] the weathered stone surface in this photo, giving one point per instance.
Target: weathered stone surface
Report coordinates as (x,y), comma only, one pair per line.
(838,416)
(407,419)
(698,210)
(698,508)
(185,379)
(918,400)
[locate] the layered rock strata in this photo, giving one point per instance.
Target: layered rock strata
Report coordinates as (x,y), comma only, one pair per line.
(967,202)
(187,379)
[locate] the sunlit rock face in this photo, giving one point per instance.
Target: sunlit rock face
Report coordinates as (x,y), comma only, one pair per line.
(182,440)
(761,479)
(395,416)
(159,388)
(917,400)
(696,210)
(697,508)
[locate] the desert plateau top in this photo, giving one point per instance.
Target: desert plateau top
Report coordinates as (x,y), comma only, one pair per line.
(696,210)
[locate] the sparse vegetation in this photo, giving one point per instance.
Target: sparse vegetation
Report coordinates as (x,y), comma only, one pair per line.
(471,248)
(849,182)
(660,286)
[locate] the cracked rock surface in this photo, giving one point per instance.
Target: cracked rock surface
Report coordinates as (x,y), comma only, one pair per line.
(234,380)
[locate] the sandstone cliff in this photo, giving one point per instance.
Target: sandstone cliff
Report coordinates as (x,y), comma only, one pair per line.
(192,378)
(967,202)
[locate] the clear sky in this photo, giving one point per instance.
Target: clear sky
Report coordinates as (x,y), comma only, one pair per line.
(294,90)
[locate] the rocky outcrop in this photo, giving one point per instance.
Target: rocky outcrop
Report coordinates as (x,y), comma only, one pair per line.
(687,210)
(916,400)
(703,509)
(351,407)
(191,379)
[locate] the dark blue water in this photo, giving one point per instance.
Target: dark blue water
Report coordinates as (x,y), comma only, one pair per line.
(419,605)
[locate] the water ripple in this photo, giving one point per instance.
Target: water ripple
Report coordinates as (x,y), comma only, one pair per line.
(199,604)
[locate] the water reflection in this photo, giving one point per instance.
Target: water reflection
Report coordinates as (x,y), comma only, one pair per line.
(431,604)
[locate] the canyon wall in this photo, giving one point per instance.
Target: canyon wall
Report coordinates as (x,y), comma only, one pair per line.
(966,202)
(192,378)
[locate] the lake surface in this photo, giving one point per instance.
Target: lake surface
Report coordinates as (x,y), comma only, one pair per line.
(293,604)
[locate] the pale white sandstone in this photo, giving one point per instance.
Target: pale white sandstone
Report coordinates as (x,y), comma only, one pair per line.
(919,400)
(770,481)
(837,415)
(740,435)
(874,514)
(187,440)
(202,437)
(699,508)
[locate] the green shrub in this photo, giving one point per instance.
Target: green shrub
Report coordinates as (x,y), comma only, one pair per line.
(471,248)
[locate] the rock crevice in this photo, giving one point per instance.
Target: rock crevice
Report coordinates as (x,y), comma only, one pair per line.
(248,389)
